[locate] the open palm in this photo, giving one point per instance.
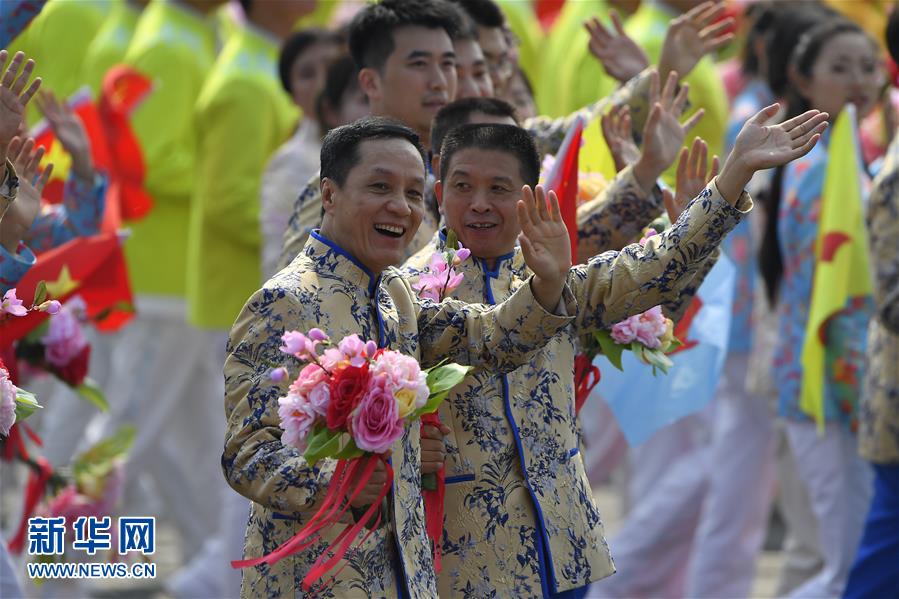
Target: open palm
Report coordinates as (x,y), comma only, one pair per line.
(14,96)
(544,237)
(619,54)
(693,35)
(759,146)
(21,214)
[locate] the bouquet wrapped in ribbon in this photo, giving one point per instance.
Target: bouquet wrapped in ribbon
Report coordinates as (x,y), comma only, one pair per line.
(351,402)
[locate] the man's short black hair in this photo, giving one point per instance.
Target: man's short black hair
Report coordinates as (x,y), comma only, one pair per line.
(340,148)
(296,44)
(371,31)
(484,13)
(459,113)
(502,138)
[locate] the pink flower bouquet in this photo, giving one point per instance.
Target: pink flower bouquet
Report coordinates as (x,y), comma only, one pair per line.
(441,278)
(351,401)
(649,335)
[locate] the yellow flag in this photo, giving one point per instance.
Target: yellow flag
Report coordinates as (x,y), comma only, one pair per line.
(841,256)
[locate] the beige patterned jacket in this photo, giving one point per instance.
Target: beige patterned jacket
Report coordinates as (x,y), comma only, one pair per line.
(879,417)
(521,520)
(327,288)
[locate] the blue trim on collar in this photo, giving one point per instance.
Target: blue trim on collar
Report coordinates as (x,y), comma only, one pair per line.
(499,261)
(372,280)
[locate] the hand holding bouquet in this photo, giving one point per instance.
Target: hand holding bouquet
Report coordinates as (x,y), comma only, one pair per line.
(351,402)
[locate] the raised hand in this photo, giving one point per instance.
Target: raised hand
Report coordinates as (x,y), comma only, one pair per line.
(545,244)
(619,54)
(13,99)
(691,36)
(663,133)
(617,131)
(759,146)
(693,175)
(21,214)
(70,132)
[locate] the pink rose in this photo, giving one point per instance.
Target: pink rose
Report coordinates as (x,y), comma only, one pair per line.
(297,418)
(330,359)
(7,403)
(376,422)
(312,384)
(623,333)
(64,339)
(402,372)
(651,326)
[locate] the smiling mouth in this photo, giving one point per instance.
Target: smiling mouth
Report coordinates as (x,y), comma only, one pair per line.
(481,226)
(393,231)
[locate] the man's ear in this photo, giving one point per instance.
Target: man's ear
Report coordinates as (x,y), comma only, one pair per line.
(370,84)
(435,165)
(328,189)
(438,191)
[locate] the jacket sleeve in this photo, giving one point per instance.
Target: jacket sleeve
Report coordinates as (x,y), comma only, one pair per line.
(500,337)
(13,266)
(79,215)
(615,285)
(616,217)
(255,462)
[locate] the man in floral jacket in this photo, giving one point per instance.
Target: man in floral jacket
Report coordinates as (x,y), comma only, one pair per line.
(520,516)
(373,177)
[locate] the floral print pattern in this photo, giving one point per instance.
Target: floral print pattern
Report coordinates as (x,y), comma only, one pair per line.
(879,431)
(520,517)
(327,288)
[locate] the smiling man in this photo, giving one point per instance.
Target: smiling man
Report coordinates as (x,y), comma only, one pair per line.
(373,177)
(520,516)
(407,69)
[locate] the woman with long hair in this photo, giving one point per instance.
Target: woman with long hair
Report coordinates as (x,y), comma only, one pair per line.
(834,63)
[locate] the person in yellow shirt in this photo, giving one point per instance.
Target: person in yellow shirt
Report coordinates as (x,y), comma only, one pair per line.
(109,46)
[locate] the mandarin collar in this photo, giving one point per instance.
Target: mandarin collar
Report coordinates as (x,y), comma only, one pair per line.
(345,264)
(503,262)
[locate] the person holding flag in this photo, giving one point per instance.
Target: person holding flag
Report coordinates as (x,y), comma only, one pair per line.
(815,266)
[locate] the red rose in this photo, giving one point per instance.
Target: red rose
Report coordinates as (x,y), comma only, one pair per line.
(74,372)
(347,387)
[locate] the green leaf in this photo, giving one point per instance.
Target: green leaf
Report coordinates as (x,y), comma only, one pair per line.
(40,293)
(446,377)
(440,381)
(26,404)
(89,391)
(323,443)
(100,458)
(610,349)
(348,449)
(638,348)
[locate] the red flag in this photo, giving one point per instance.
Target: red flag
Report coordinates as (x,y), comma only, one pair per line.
(548,11)
(92,267)
(563,180)
(122,90)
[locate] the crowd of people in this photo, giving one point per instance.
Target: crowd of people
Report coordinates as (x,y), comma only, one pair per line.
(296,165)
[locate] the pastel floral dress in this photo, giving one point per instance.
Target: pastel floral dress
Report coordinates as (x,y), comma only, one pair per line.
(846,332)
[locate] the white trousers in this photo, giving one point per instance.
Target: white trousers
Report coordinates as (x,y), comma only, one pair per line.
(669,481)
(840,486)
(163,384)
(738,498)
